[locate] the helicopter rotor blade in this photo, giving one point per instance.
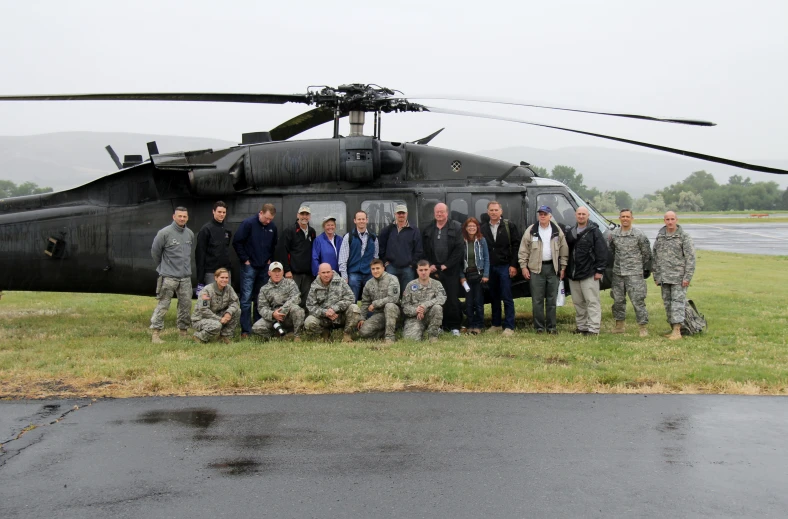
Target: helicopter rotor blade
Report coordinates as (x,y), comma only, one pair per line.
(676,120)
(303,122)
(276,99)
(701,156)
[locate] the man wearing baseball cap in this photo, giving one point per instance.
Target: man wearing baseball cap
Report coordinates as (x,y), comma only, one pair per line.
(278,304)
(400,247)
(543,257)
(295,252)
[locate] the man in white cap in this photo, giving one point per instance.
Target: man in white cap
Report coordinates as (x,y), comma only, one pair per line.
(278,306)
(294,252)
(400,247)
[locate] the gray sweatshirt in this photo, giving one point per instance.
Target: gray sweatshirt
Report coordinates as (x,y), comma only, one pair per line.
(172,251)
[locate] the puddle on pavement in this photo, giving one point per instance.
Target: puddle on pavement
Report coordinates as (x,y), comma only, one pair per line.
(237,467)
(201,418)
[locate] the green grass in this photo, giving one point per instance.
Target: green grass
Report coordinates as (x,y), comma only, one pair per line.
(54,344)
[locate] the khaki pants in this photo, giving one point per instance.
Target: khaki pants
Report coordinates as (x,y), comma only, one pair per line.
(585,296)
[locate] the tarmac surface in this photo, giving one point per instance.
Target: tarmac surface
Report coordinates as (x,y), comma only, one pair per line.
(744,238)
(397,455)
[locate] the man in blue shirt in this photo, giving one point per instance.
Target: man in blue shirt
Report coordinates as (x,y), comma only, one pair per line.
(254,242)
(359,248)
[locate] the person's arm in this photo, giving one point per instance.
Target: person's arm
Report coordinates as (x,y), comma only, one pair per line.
(239,242)
(344,252)
(440,299)
(235,305)
(391,296)
(282,254)
(346,298)
(383,239)
(600,252)
(264,307)
(524,253)
(655,261)
(316,256)
(645,251)
(486,264)
(366,296)
(689,258)
(157,248)
(293,297)
(408,305)
(200,251)
(514,243)
(311,303)
(418,249)
(377,248)
(455,252)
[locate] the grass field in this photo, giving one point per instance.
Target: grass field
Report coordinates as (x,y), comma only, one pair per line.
(55,344)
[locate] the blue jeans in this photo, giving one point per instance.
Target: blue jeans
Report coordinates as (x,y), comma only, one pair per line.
(357,280)
(404,274)
(500,286)
(252,280)
(474,305)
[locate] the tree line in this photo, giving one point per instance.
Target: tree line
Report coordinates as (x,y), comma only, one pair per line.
(698,192)
(9,189)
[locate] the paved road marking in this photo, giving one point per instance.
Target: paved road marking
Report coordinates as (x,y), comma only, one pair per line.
(746,232)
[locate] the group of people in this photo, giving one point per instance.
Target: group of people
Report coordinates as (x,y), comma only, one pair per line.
(409,278)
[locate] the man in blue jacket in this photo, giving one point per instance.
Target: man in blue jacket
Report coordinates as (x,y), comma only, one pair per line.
(359,248)
(400,247)
(254,242)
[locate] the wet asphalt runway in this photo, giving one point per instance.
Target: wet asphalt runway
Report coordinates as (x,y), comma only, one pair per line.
(398,455)
(763,238)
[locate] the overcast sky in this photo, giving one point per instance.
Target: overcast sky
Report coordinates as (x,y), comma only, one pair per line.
(717,60)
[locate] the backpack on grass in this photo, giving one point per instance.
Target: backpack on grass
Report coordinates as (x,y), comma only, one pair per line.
(694,321)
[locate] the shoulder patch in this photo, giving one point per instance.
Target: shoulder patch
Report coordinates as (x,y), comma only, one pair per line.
(414,287)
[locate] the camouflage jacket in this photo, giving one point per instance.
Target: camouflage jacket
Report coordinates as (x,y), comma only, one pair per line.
(217,304)
(631,252)
(283,295)
(379,292)
(417,295)
(337,296)
(673,257)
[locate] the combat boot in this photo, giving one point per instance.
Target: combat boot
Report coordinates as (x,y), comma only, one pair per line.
(347,338)
(155,339)
(183,332)
(676,333)
(325,335)
(619,327)
(643,330)
(225,340)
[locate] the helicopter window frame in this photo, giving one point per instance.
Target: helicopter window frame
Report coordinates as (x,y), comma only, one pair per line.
(540,201)
(377,227)
(323,208)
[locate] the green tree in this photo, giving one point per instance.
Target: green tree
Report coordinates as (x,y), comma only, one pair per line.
(6,188)
(689,201)
(650,204)
(737,180)
(542,172)
(605,202)
(785,199)
(574,181)
(698,182)
(9,189)
(623,200)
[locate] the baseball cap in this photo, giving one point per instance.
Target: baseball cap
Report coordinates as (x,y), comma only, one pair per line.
(544,209)
(275,265)
(401,208)
(329,218)
(304,209)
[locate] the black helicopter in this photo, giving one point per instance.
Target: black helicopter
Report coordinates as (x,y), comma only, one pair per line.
(97,237)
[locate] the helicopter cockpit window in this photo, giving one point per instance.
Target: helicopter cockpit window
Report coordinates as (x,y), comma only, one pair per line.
(563,210)
(321,210)
(458,210)
(380,213)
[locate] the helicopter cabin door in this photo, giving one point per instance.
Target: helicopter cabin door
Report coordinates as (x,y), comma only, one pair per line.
(465,204)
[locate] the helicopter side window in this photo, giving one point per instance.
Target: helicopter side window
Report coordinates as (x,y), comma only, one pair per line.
(563,210)
(458,210)
(321,210)
(380,213)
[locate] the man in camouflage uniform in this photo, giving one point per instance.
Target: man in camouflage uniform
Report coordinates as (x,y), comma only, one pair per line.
(278,302)
(172,254)
(422,304)
(674,265)
(217,311)
(631,252)
(380,296)
(330,303)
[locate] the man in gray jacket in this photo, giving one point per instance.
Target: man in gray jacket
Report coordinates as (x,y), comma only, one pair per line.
(172,253)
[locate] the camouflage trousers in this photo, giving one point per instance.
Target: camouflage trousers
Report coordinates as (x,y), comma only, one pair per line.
(675,299)
(381,323)
(414,329)
(348,319)
(294,320)
(165,289)
(635,286)
(209,329)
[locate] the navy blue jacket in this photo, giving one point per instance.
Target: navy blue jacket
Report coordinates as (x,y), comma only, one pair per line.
(403,248)
(255,242)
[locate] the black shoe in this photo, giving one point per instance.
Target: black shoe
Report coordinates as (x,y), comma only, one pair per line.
(539,331)
(578,331)
(552,332)
(591,334)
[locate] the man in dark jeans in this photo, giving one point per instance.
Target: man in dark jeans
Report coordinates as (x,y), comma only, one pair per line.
(254,242)
(503,242)
(443,248)
(400,247)
(294,252)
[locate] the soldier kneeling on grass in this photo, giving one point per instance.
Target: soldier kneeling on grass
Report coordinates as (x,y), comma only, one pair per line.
(422,304)
(217,311)
(380,298)
(278,305)
(331,303)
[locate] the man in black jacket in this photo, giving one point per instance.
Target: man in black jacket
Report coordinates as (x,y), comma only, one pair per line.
(294,252)
(213,247)
(443,248)
(588,254)
(400,247)
(503,243)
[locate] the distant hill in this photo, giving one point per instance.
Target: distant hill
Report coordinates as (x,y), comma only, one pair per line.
(69,159)
(636,172)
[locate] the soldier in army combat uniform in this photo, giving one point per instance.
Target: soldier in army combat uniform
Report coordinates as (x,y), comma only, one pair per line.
(278,304)
(631,252)
(217,311)
(422,304)
(674,265)
(380,296)
(331,302)
(172,253)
